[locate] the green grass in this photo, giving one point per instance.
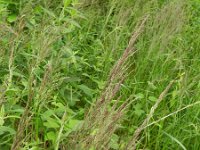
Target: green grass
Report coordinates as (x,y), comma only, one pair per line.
(62,85)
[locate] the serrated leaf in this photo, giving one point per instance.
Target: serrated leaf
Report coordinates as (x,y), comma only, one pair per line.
(86,90)
(114,142)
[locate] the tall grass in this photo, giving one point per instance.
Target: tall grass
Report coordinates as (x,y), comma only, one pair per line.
(93,74)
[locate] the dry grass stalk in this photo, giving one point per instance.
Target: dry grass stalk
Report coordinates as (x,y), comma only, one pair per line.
(26,117)
(24,120)
(13,46)
(132,144)
(128,50)
(100,123)
(2,95)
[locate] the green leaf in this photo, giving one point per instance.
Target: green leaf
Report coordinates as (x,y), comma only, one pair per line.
(2,113)
(8,2)
(173,99)
(12,18)
(47,114)
(151,85)
(152,98)
(138,111)
(38,10)
(139,96)
(114,142)
(51,136)
(51,123)
(86,90)
(1,121)
(59,105)
(67,3)
(4,129)
(74,124)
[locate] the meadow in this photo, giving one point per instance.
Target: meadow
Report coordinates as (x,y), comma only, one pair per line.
(99,74)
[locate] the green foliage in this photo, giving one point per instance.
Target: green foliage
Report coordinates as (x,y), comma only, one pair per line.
(55,57)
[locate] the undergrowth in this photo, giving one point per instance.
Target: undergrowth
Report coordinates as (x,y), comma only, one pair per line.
(97,74)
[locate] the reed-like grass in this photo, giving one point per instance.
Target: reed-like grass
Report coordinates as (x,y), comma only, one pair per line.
(92,75)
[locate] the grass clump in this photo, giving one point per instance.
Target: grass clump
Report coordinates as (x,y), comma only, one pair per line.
(85,74)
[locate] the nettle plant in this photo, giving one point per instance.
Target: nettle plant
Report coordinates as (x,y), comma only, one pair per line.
(98,80)
(38,73)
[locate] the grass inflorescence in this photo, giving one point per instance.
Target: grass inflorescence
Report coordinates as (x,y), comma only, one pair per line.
(99,74)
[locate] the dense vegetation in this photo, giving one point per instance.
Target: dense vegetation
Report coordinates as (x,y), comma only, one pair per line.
(99,74)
